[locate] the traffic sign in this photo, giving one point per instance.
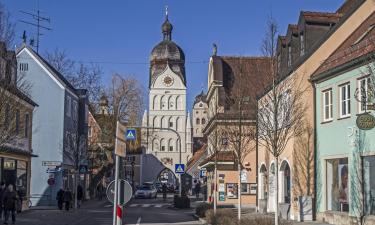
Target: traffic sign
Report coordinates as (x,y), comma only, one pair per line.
(125,191)
(131,134)
(51,181)
(82,169)
(203,173)
(179,168)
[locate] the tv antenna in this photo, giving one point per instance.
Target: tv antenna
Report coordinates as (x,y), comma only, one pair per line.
(37,21)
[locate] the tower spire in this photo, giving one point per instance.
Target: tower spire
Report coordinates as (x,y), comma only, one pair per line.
(167,27)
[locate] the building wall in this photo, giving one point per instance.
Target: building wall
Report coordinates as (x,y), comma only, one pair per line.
(200,118)
(301,76)
(341,138)
(48,127)
(168,105)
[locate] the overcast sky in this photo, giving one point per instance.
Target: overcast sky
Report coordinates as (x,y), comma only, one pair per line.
(120,34)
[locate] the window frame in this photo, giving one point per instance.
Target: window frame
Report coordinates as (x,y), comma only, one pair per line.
(361,107)
(302,44)
(342,101)
(330,105)
(68,106)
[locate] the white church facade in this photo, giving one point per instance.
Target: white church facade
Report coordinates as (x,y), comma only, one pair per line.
(167,115)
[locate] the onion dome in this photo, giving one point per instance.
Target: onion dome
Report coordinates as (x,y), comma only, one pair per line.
(167,53)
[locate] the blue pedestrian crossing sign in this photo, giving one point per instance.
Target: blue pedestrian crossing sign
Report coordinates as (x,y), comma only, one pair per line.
(130,134)
(179,168)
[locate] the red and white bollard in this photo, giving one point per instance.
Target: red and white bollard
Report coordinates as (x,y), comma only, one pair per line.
(119,215)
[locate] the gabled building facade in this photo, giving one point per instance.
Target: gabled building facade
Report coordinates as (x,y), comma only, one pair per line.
(345,152)
(16,114)
(60,127)
(233,83)
(296,193)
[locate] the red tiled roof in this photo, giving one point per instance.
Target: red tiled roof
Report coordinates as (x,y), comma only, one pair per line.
(360,43)
(198,155)
(222,156)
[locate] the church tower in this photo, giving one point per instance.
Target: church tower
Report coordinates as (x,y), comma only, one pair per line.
(167,103)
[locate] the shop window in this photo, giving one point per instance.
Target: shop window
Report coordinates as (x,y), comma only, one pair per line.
(337,185)
(231,190)
(245,188)
(369,184)
(10,174)
(21,182)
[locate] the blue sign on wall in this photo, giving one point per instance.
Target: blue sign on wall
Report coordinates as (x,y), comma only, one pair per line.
(179,168)
(202,173)
(131,134)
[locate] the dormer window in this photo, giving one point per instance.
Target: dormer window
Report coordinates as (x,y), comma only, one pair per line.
(289,55)
(302,44)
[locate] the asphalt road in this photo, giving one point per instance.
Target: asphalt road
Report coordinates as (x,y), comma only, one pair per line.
(157,212)
(137,212)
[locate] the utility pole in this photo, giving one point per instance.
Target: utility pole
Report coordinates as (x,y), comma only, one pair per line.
(37,19)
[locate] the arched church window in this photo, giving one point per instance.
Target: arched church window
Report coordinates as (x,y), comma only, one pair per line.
(177,102)
(177,123)
(203,121)
(155,146)
(170,123)
(162,145)
(154,102)
(170,102)
(198,121)
(170,145)
(163,102)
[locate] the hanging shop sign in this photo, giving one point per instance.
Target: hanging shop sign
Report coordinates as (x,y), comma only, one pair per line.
(365,121)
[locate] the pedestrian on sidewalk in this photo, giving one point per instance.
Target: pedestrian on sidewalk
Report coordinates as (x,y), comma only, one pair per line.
(79,195)
(10,199)
(164,189)
(197,189)
(99,191)
(2,191)
(60,198)
(68,197)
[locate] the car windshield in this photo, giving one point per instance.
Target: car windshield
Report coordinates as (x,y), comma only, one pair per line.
(145,188)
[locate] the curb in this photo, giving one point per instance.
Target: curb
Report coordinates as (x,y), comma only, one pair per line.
(201,220)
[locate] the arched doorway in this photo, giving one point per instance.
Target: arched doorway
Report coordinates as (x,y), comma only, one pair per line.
(284,187)
(167,177)
(262,182)
(271,188)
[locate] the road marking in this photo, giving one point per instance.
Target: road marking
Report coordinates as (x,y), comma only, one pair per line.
(133,205)
(146,205)
(158,206)
(139,221)
(107,206)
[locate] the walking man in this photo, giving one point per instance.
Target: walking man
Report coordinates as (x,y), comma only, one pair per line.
(79,195)
(68,197)
(9,200)
(2,191)
(197,189)
(164,189)
(59,198)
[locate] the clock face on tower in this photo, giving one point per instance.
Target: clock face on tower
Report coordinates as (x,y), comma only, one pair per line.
(167,81)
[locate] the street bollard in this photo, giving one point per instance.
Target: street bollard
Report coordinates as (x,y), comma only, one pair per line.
(119,215)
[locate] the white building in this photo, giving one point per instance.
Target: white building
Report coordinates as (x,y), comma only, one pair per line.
(200,115)
(167,104)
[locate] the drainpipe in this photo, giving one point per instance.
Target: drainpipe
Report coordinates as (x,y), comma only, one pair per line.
(315,150)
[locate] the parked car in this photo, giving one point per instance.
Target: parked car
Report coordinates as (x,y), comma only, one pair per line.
(146,191)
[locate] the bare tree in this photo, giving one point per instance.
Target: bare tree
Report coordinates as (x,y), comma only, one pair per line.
(7,28)
(126,99)
(61,62)
(281,109)
(11,109)
(303,166)
(78,74)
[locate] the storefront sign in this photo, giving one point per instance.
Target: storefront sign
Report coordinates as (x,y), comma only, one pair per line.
(243,176)
(51,163)
(9,164)
(365,121)
(221,187)
(221,196)
(253,189)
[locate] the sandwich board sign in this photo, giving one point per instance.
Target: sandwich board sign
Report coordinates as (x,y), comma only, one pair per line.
(131,134)
(179,168)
